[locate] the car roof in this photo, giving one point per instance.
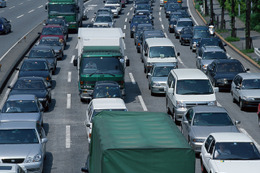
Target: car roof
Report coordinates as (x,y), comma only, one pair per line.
(208,109)
(108,103)
(250,75)
(231,137)
(163,64)
(153,33)
(17,125)
(21,97)
(31,78)
(189,74)
(159,42)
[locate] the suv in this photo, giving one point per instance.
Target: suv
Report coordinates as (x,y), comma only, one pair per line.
(181,23)
(207,55)
(5,25)
(186,88)
(102,104)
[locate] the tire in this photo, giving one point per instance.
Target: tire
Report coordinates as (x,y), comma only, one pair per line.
(167,108)
(138,51)
(144,69)
(203,170)
(132,35)
(241,105)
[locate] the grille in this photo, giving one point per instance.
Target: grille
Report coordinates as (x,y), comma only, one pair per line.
(15,160)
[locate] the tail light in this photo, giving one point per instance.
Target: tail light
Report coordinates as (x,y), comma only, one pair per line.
(48,78)
(89,136)
(138,44)
(81,82)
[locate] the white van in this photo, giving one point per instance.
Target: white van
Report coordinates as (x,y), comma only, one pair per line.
(186,88)
(157,50)
(102,104)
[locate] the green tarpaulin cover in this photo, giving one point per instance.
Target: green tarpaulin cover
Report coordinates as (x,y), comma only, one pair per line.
(138,142)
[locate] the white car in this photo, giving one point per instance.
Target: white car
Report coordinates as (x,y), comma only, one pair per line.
(102,104)
(229,153)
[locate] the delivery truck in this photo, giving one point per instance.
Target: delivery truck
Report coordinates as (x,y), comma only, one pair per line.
(137,142)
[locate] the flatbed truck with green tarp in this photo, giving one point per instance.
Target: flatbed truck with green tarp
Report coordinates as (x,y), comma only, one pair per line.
(137,142)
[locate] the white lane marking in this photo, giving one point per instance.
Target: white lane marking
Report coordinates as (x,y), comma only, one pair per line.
(131,8)
(125,19)
(20,16)
(160,8)
(162,26)
(67,143)
(180,61)
(124,26)
(68,101)
(40,6)
(245,132)
(191,13)
(132,78)
(92,5)
(142,103)
(160,19)
(11,7)
(21,3)
(128,14)
(31,11)
(72,58)
(160,13)
(76,46)
(166,35)
(69,76)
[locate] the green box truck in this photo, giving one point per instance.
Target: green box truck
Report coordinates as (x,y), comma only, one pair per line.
(71,10)
(100,58)
(138,142)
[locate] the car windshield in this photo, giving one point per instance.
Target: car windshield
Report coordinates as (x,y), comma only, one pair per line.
(162,71)
(55,22)
(107,92)
(185,23)
(194,87)
(62,8)
(212,119)
(251,84)
(105,65)
(52,31)
(41,53)
(50,42)
(161,52)
(96,111)
(103,19)
(20,106)
(29,84)
(18,136)
(229,67)
(214,55)
(143,7)
(236,151)
(201,33)
(34,66)
(140,20)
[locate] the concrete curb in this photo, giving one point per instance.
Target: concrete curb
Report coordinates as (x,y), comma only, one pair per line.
(16,53)
(229,44)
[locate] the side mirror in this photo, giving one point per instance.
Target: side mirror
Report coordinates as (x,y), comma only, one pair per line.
(44,140)
(75,62)
(84,169)
(170,90)
(216,89)
(127,62)
(237,122)
(178,54)
(247,69)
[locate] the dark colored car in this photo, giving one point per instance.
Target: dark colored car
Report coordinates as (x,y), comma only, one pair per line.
(198,32)
(148,34)
(59,21)
(212,41)
(172,7)
(33,85)
(140,28)
(35,67)
(137,20)
(5,25)
(55,43)
(53,31)
(144,13)
(143,7)
(221,72)
(185,35)
(106,89)
(46,52)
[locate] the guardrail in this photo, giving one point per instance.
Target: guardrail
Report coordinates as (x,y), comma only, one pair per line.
(10,60)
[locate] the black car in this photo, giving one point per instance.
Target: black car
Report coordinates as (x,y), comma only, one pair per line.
(198,32)
(212,41)
(185,35)
(35,67)
(33,85)
(55,43)
(5,25)
(172,7)
(46,52)
(221,72)
(140,28)
(137,20)
(106,89)
(59,21)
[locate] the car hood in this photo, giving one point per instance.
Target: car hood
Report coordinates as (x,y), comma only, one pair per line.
(251,93)
(19,116)
(19,150)
(203,132)
(34,73)
(36,92)
(179,28)
(206,61)
(238,166)
(228,75)
(160,79)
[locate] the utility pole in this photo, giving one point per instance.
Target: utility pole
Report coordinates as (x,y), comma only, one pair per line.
(206,8)
(222,14)
(233,29)
(248,15)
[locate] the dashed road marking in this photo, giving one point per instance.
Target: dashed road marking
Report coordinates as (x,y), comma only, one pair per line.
(132,78)
(69,76)
(67,143)
(20,16)
(162,26)
(142,103)
(124,26)
(180,61)
(125,19)
(11,7)
(160,19)
(128,14)
(21,3)
(72,58)
(76,46)
(160,13)
(131,8)
(40,6)
(30,11)
(68,101)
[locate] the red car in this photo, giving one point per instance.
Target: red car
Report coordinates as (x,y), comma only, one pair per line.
(53,31)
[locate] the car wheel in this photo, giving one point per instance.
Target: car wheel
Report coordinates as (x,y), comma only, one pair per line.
(241,105)
(144,69)
(132,35)
(167,108)
(203,170)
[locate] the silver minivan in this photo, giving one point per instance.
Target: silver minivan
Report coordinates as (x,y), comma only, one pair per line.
(158,50)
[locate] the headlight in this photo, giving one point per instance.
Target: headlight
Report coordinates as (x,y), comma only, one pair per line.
(205,66)
(221,80)
(198,140)
(180,104)
(156,84)
(248,98)
(171,25)
(212,103)
(36,158)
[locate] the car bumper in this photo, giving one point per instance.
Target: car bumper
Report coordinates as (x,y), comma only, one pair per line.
(158,89)
(179,113)
(251,103)
(35,167)
(196,146)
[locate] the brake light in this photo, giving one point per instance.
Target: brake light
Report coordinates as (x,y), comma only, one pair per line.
(81,82)
(138,44)
(89,136)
